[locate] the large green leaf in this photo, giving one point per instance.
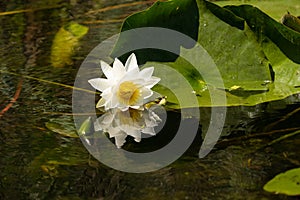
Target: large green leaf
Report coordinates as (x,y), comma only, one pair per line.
(245,60)
(237,55)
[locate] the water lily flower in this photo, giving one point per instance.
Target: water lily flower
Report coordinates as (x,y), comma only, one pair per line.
(119,124)
(125,86)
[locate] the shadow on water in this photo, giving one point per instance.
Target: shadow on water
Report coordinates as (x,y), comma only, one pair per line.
(42,158)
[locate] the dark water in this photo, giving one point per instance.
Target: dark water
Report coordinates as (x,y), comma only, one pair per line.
(39,163)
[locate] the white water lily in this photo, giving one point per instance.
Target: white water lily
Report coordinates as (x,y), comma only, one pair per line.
(125,86)
(119,124)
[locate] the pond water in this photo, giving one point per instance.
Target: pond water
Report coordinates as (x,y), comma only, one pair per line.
(41,156)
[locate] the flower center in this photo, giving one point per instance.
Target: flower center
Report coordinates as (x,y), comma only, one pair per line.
(128,93)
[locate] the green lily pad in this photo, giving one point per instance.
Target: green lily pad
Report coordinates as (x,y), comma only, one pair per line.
(285,183)
(65,42)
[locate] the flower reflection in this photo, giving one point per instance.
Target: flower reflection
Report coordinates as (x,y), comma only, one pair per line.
(118,124)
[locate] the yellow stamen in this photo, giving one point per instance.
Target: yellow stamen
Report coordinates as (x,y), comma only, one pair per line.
(129,93)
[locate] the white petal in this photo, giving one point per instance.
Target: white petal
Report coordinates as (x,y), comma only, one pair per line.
(114,102)
(118,69)
(101,103)
(107,96)
(133,76)
(97,126)
(147,72)
(103,122)
(148,83)
(100,83)
(124,108)
(106,119)
(139,103)
(131,63)
(151,82)
(154,117)
(107,69)
(135,133)
(137,139)
(138,107)
(120,140)
(146,93)
(149,130)
(114,131)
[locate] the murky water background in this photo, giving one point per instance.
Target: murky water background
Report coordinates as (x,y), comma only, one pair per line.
(40,161)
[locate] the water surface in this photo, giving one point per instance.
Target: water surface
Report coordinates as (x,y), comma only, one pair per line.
(41,158)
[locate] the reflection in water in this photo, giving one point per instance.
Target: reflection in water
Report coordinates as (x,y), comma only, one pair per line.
(118,124)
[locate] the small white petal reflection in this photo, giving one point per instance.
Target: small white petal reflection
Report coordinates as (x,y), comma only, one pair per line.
(119,124)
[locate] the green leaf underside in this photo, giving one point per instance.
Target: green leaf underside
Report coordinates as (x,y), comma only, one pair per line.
(262,25)
(245,61)
(285,183)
